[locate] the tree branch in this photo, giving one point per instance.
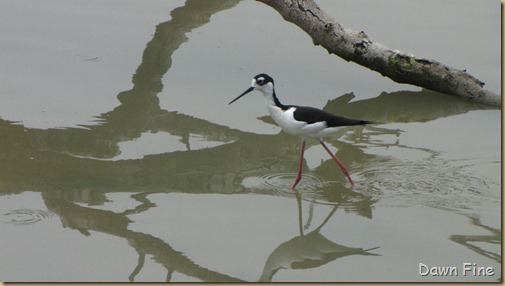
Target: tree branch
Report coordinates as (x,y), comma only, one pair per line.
(397,65)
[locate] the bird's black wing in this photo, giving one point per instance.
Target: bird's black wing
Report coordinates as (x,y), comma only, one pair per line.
(313,115)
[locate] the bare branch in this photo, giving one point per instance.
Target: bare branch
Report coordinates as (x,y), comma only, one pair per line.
(397,65)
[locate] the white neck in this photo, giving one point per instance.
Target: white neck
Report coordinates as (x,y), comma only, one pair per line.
(269,94)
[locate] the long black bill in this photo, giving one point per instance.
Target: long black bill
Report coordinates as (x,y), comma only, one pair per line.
(244,93)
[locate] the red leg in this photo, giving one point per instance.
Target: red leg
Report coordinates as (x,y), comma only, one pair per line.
(338,162)
(299,177)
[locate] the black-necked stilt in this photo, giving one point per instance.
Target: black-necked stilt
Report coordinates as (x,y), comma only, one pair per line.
(304,122)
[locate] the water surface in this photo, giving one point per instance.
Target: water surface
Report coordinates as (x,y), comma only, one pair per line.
(120,159)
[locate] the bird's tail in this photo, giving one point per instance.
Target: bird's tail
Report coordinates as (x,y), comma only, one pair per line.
(366,122)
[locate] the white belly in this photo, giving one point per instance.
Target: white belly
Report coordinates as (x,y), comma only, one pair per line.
(286,121)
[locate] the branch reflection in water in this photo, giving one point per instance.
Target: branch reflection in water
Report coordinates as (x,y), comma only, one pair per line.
(76,166)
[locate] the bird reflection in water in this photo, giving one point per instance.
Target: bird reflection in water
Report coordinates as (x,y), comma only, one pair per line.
(309,250)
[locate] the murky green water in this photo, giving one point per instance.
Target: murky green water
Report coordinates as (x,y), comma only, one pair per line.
(120,159)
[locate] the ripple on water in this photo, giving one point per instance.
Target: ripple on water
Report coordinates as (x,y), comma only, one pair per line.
(280,184)
(26,216)
(432,182)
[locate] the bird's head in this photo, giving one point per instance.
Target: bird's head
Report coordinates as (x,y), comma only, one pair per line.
(261,82)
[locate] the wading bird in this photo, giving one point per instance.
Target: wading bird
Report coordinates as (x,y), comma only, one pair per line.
(304,122)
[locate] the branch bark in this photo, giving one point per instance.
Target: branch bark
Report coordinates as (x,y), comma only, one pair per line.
(397,65)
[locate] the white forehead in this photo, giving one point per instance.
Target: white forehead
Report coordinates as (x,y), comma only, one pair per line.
(255,80)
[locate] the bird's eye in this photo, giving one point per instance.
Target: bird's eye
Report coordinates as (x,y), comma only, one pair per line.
(260,81)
